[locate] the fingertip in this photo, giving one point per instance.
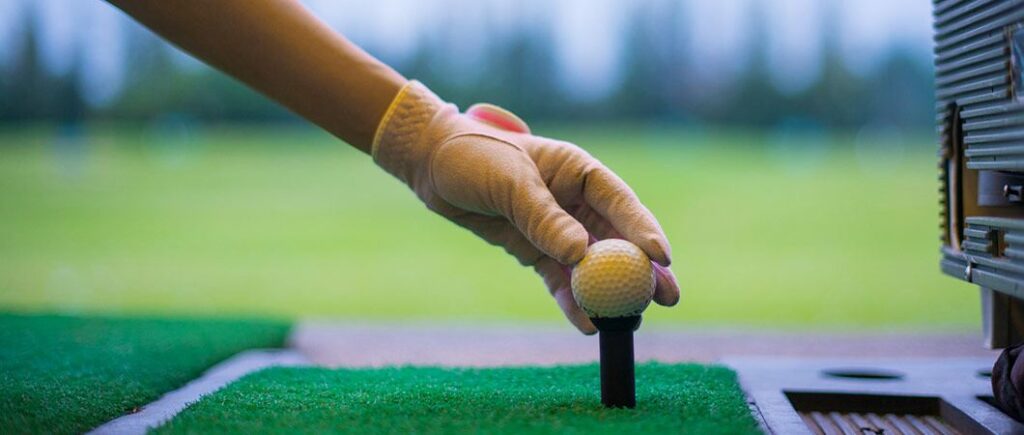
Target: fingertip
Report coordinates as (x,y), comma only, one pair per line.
(581,240)
(575,241)
(613,199)
(573,313)
(657,249)
(588,330)
(666,291)
(546,224)
(668,302)
(582,322)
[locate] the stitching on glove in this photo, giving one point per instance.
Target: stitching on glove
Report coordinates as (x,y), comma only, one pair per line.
(483,135)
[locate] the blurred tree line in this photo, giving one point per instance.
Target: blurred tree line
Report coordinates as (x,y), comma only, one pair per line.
(519,72)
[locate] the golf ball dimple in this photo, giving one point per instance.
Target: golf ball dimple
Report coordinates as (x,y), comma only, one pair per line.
(614,279)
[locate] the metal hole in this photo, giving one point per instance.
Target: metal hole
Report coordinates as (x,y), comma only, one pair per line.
(864,374)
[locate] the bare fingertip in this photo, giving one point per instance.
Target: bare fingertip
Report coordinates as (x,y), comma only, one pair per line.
(666,293)
(667,300)
(573,313)
(585,326)
(582,322)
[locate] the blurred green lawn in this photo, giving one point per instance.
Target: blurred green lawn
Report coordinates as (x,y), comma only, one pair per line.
(767,230)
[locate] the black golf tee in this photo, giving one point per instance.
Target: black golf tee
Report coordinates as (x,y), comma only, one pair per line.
(618,382)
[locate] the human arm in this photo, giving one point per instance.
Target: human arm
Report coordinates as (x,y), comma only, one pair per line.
(279,48)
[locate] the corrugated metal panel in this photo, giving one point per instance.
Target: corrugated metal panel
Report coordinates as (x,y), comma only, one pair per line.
(972,54)
(996,141)
(962,8)
(979,16)
(990,22)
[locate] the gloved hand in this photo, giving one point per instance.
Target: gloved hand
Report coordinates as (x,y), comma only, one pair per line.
(1008,381)
(543,200)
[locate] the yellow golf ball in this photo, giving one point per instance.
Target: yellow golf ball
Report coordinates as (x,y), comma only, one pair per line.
(614,279)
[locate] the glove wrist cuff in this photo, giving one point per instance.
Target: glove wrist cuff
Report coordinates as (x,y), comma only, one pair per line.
(399,140)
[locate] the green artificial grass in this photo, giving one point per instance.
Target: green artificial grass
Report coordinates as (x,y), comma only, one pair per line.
(685,398)
(62,374)
(778,230)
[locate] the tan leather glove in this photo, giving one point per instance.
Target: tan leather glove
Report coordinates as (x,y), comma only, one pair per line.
(543,200)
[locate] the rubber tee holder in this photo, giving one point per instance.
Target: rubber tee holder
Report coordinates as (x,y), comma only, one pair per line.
(618,374)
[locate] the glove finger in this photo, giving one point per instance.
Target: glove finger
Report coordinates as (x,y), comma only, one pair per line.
(666,291)
(616,201)
(534,211)
(571,171)
(489,176)
(557,279)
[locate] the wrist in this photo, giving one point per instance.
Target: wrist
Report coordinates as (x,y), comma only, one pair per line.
(403,136)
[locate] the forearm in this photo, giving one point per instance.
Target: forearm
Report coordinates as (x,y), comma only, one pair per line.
(278,48)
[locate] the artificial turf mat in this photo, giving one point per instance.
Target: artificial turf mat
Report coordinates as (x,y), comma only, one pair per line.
(686,398)
(61,374)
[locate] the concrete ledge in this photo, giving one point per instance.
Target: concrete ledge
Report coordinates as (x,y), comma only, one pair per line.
(955,386)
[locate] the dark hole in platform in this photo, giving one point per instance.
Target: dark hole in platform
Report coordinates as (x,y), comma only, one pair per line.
(825,413)
(862,373)
(985,373)
(989,400)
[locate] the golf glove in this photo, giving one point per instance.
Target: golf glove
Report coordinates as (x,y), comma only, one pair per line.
(541,199)
(1008,381)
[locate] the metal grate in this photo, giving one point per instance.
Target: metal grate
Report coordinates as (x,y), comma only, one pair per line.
(852,423)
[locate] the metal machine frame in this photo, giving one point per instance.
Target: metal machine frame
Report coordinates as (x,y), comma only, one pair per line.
(979,55)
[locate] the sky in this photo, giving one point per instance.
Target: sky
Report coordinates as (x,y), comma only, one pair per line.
(588,35)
